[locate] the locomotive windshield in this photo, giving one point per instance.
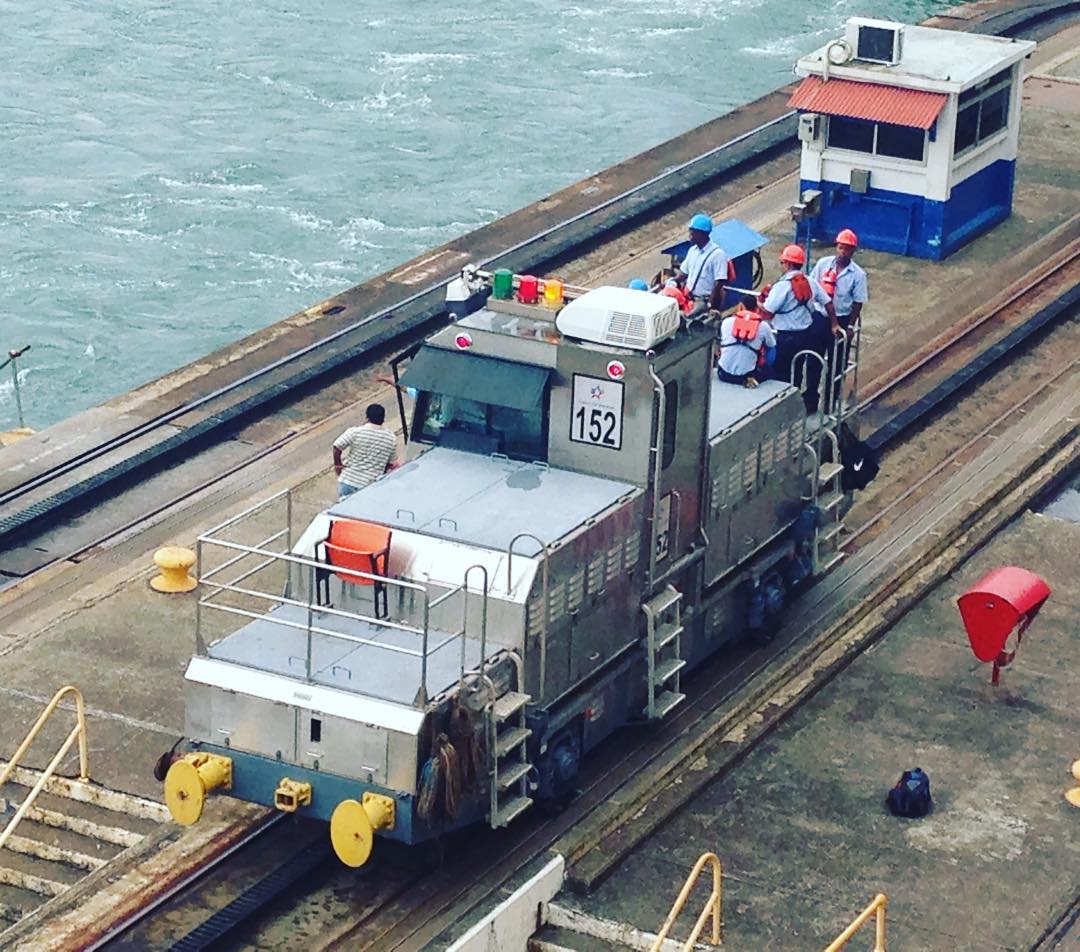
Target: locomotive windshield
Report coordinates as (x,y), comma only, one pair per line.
(466,424)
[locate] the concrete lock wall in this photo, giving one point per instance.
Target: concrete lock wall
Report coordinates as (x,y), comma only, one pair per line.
(508,927)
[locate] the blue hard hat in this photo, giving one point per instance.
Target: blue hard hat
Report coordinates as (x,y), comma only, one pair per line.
(701,222)
(638,284)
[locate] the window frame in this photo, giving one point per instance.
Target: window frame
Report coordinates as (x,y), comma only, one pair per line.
(977,96)
(874,151)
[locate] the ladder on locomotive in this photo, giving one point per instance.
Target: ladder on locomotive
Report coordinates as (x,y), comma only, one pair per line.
(838,387)
(507,752)
(663,652)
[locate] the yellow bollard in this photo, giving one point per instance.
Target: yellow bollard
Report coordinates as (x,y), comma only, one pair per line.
(174,562)
(1073,795)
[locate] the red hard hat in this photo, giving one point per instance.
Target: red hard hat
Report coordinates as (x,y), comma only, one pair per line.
(848,237)
(793,254)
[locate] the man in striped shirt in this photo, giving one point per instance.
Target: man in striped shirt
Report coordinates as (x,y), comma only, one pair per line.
(363,453)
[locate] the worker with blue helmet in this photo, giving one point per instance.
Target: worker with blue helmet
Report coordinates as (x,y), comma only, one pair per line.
(638,284)
(705,269)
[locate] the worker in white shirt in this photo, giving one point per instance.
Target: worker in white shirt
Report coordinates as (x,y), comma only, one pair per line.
(843,280)
(789,306)
(745,339)
(704,271)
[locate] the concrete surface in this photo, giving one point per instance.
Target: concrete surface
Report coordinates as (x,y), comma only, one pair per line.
(801,828)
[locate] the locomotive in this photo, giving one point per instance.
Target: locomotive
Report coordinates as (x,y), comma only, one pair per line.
(586,514)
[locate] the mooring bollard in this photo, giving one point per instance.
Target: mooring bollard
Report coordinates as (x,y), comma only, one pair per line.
(174,562)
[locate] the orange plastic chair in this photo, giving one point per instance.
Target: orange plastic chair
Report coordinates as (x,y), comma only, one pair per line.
(359,547)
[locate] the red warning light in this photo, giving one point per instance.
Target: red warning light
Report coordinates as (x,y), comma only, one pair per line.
(616,370)
(463,341)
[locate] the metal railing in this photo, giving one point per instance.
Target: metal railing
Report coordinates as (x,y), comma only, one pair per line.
(876,909)
(312,611)
(713,905)
(78,732)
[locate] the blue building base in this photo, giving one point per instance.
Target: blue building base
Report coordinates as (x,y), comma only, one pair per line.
(911,225)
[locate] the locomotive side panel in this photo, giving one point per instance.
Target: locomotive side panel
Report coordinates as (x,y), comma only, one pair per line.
(755,480)
(594,581)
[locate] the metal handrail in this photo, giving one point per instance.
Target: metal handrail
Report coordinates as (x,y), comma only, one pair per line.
(77,732)
(876,909)
(712,905)
(544,593)
(465,618)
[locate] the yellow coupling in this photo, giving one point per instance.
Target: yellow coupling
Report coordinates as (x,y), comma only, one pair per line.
(353,826)
(290,795)
(174,562)
(190,779)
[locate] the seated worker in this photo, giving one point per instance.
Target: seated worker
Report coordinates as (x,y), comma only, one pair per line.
(705,269)
(745,336)
(671,289)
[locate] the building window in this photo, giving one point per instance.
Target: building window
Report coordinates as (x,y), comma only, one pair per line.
(877,138)
(983,111)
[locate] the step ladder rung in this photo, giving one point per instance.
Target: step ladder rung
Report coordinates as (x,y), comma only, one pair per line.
(509,810)
(829,471)
(830,532)
(513,775)
(662,601)
(838,556)
(510,703)
(666,670)
(829,501)
(664,703)
(511,739)
(96,831)
(666,634)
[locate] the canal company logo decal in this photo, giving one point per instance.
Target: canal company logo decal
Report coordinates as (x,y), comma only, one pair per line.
(616,370)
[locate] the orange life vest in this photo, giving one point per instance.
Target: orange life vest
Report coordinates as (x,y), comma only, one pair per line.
(828,282)
(800,287)
(746,325)
(685,302)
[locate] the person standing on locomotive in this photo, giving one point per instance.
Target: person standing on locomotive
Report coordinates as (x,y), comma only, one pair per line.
(843,280)
(789,306)
(705,269)
(845,284)
(745,337)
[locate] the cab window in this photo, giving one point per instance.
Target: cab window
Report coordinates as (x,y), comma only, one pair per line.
(477,427)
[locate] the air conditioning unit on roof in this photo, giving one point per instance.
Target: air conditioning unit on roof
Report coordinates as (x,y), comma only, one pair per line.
(875,41)
(620,317)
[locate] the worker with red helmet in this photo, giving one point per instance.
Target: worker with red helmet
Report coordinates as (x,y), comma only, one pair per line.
(843,280)
(790,307)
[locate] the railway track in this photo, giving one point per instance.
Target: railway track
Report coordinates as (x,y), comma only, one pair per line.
(396,917)
(407,907)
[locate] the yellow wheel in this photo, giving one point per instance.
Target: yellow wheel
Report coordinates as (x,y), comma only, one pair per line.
(185,792)
(351,833)
(1073,796)
(1076,770)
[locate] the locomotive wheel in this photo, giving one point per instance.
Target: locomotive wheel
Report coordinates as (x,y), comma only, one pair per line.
(351,833)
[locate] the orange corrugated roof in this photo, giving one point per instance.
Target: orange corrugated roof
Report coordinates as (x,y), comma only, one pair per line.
(844,97)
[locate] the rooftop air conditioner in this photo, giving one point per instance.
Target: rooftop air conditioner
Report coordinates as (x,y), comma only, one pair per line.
(875,41)
(620,317)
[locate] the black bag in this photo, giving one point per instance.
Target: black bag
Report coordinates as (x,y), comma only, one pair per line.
(860,461)
(911,795)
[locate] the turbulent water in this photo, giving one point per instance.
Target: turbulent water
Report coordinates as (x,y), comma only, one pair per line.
(178,174)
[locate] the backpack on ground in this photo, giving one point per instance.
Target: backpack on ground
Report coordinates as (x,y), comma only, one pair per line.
(911,795)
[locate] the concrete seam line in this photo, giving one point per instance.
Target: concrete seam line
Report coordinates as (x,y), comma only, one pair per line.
(871,623)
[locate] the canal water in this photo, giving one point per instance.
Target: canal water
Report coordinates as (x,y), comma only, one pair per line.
(180,173)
